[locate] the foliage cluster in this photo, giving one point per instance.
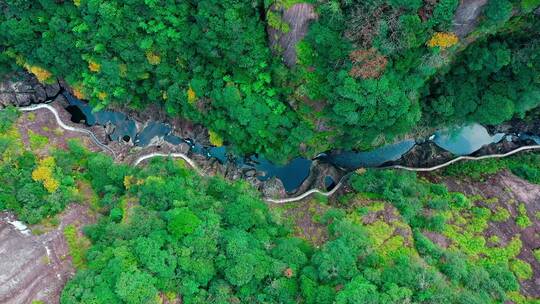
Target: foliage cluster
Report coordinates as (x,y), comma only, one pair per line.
(492,81)
(166,231)
(31,187)
(143,52)
(209,61)
(526,166)
(210,241)
(76,245)
(486,271)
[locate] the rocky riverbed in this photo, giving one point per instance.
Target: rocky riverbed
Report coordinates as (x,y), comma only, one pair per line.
(27,90)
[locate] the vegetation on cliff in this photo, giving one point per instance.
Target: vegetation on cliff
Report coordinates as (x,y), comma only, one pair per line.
(367,71)
(166,233)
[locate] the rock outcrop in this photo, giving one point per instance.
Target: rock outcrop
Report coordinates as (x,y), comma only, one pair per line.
(273,188)
(466,16)
(35,267)
(23,89)
(507,191)
(295,23)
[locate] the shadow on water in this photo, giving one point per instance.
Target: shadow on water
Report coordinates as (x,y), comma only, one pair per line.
(465,140)
(329,183)
(292,174)
(353,160)
(77,116)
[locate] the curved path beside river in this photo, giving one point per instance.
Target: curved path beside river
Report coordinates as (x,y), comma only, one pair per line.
(194,165)
(66,127)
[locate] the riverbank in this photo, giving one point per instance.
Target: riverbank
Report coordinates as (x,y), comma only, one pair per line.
(315,174)
(277,183)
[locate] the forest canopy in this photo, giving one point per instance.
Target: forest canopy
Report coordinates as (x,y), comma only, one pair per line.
(366,72)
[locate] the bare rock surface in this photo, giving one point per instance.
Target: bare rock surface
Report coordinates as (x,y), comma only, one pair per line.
(510,191)
(466,16)
(274,188)
(35,267)
(317,175)
(297,18)
(23,89)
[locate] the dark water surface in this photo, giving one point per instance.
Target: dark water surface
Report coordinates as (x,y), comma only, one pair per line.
(462,140)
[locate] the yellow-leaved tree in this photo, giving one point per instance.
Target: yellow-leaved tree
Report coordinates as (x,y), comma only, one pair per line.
(191,96)
(215,139)
(94,66)
(44,173)
(153,58)
(42,74)
(443,40)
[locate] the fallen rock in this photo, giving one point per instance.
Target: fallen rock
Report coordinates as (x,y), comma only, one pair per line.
(273,188)
(424,155)
(317,175)
(52,90)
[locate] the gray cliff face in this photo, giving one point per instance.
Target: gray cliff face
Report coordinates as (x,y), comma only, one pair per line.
(297,18)
(22,89)
(36,267)
(466,17)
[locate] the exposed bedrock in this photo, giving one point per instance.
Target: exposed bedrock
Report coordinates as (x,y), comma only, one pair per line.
(36,267)
(23,89)
(288,27)
(509,192)
(467,15)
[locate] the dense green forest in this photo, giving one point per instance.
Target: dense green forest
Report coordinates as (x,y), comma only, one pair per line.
(490,82)
(163,232)
(367,71)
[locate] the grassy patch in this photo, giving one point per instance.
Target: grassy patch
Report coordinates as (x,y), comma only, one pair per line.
(522,220)
(276,22)
(501,215)
(526,166)
(77,246)
(521,269)
(7,117)
(37,141)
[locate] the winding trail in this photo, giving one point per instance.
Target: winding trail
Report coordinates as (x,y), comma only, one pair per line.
(66,127)
(343,179)
(300,197)
(190,161)
(460,158)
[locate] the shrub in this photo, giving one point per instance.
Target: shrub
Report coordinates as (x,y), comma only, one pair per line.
(521,269)
(7,117)
(76,247)
(501,215)
(443,40)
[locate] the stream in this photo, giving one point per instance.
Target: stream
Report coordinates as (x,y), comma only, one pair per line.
(459,140)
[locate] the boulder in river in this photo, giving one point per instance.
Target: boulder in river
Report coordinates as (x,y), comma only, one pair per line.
(273,188)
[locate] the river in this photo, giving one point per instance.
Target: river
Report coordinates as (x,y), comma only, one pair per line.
(459,140)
